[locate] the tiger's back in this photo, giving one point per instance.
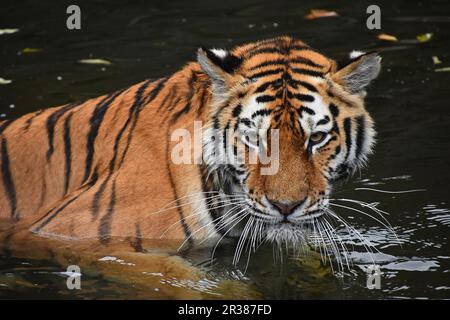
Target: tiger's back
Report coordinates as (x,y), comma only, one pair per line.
(85,158)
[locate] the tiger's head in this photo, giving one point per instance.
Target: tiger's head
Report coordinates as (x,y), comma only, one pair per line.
(323,132)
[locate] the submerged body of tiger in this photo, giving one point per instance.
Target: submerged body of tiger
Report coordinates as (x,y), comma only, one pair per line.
(102,168)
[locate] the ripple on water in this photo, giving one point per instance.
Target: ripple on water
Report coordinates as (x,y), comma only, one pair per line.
(366,258)
(436,214)
(412,265)
(375,236)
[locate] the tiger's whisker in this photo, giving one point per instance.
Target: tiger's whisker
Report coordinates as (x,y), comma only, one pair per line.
(390,192)
(367,245)
(197,211)
(196,231)
(188,203)
(224,235)
(366,214)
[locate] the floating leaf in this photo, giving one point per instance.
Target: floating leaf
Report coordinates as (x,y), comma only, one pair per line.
(446,69)
(95,61)
(318,13)
(8,31)
(424,37)
(436,60)
(31,50)
(387,37)
(5,81)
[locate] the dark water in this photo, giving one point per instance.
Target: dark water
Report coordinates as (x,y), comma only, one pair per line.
(409,102)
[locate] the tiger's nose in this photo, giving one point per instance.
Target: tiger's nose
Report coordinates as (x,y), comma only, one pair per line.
(287,207)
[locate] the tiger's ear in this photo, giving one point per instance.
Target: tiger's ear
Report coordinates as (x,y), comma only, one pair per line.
(218,64)
(357,74)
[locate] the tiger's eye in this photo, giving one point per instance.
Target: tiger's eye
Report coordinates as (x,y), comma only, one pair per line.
(317,137)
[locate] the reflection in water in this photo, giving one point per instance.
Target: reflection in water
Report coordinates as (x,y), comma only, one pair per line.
(409,104)
(440,215)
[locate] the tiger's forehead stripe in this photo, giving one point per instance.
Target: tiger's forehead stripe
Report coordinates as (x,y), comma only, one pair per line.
(287,71)
(281,52)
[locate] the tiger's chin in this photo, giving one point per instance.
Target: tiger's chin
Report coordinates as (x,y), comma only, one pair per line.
(290,234)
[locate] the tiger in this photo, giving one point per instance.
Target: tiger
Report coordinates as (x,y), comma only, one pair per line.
(99,170)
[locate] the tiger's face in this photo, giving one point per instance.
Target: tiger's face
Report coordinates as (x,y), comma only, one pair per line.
(281,97)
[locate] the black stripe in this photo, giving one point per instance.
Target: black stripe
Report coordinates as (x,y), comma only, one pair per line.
(97,196)
(307,72)
(95,207)
(51,123)
(261,112)
(50,216)
(307,110)
(131,113)
(186,230)
(299,47)
(263,87)
(157,89)
(67,152)
(174,99)
(216,123)
(274,47)
(360,134)
(8,182)
(136,109)
(301,97)
(203,97)
(265,73)
(336,152)
(246,121)
(323,121)
(277,116)
(225,135)
(187,106)
(258,51)
(276,62)
(308,86)
(179,113)
(95,123)
(334,110)
(5,124)
(241,95)
(291,81)
(265,98)
(237,111)
(335,127)
(104,228)
(137,243)
(153,93)
(307,62)
(30,120)
(168,98)
(348,135)
(60,209)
